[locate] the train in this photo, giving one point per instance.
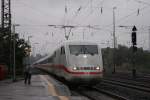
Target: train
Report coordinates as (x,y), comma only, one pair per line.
(75,61)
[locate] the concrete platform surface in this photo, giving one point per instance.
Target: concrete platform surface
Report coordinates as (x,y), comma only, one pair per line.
(40,89)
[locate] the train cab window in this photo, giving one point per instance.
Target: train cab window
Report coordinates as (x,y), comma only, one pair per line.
(83,49)
(62,50)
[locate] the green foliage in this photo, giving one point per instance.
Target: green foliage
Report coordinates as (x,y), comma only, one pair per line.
(7,50)
(124,56)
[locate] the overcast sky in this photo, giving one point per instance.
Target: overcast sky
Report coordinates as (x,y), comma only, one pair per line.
(34,16)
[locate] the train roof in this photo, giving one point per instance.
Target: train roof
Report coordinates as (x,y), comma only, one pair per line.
(42,59)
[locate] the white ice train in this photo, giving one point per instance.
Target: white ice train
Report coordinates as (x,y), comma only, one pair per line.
(76,62)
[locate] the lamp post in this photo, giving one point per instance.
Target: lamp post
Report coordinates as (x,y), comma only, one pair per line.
(34,48)
(148,38)
(114,40)
(28,48)
(29,38)
(14,51)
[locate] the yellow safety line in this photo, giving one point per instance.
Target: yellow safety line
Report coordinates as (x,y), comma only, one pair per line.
(52,89)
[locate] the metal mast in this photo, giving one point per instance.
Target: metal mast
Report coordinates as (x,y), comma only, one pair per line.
(6,23)
(149,39)
(114,41)
(6,15)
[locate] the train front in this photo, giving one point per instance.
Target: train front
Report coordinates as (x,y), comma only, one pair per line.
(85,63)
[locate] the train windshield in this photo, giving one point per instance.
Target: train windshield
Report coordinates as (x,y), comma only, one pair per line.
(83,49)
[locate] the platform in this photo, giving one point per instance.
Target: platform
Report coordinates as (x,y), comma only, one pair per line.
(41,88)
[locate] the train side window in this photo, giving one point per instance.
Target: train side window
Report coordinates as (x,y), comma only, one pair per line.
(62,50)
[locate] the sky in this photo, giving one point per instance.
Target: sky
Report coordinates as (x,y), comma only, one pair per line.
(34,16)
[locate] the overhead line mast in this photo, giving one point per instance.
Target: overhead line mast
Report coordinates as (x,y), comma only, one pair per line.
(70,27)
(6,15)
(6,25)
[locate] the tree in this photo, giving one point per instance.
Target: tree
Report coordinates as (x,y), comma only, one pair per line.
(5,52)
(124,58)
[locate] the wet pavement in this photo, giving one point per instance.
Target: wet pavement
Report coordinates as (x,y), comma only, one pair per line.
(39,89)
(42,87)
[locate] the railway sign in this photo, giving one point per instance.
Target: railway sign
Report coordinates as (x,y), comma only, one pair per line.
(134,28)
(133,37)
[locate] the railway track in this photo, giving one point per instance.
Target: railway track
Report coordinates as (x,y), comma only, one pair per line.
(131,91)
(128,81)
(140,87)
(145,78)
(93,93)
(111,94)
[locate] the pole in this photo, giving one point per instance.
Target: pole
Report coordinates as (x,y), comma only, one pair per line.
(149,38)
(6,27)
(14,53)
(83,34)
(134,47)
(29,54)
(114,41)
(2,13)
(34,53)
(30,47)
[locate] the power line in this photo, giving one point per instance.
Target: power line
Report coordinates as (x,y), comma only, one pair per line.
(122,19)
(97,7)
(125,17)
(142,2)
(81,8)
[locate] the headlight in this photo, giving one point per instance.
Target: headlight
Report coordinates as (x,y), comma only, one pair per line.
(84,56)
(97,68)
(74,68)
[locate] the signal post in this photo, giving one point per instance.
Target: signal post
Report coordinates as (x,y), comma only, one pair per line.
(134,50)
